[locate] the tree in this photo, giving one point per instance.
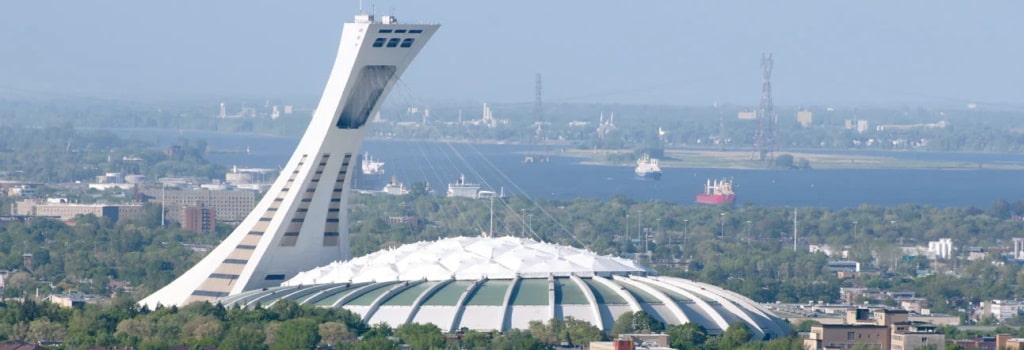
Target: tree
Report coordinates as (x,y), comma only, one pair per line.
(420,336)
(581,332)
(204,327)
(375,343)
(737,334)
(332,333)
(636,322)
(41,329)
(131,331)
(243,338)
(516,339)
(687,335)
(474,340)
(784,161)
(299,333)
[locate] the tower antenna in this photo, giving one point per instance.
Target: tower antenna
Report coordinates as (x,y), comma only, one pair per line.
(794,229)
(764,139)
(538,109)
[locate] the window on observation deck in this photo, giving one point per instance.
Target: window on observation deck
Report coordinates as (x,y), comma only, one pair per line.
(384,31)
(392,42)
(399,31)
(415,31)
(366,91)
(407,42)
(379,42)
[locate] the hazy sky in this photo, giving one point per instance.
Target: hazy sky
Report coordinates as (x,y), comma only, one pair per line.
(664,52)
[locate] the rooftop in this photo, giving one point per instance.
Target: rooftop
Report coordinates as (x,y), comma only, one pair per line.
(469,258)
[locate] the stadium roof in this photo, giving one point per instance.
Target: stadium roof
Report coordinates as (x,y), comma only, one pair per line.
(504,283)
(469,258)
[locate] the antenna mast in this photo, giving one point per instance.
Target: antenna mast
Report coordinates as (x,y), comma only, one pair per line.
(538,109)
(764,139)
(794,229)
(491,232)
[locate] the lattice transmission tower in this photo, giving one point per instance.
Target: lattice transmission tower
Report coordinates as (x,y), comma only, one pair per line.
(764,139)
(538,111)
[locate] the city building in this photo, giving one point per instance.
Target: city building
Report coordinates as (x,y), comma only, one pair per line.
(17,189)
(633,341)
(1002,309)
(805,118)
(857,124)
(883,329)
(1018,248)
(230,205)
(301,222)
(60,209)
(199,218)
(941,249)
(69,300)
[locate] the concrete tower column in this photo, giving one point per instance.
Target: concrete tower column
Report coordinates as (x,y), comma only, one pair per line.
(301,222)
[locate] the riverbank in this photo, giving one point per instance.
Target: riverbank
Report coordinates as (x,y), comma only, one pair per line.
(712,159)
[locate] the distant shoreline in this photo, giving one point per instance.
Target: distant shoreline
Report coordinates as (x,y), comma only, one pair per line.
(710,159)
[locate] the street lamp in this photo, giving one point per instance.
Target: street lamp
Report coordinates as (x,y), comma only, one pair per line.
(529,222)
(686,227)
(657,228)
(638,230)
(855,231)
(522,219)
(627,227)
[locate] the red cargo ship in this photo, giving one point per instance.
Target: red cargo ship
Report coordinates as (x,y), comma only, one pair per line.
(717,192)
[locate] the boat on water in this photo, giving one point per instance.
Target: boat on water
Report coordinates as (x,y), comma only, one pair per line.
(647,168)
(395,188)
(370,176)
(717,192)
(461,188)
(370,166)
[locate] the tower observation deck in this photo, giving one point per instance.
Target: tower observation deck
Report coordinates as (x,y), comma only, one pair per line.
(301,222)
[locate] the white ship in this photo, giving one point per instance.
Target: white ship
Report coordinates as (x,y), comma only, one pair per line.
(395,188)
(461,188)
(370,176)
(372,167)
(647,168)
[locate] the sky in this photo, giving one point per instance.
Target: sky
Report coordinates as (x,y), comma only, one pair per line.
(872,52)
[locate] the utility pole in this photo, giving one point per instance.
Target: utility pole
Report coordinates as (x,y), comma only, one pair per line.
(722,219)
(794,229)
(522,218)
(163,203)
(748,231)
(686,227)
(638,231)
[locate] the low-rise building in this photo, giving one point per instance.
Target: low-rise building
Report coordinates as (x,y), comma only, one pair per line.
(1002,309)
(60,209)
(199,218)
(69,300)
(230,205)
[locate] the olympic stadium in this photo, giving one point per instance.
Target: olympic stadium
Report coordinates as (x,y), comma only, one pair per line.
(295,243)
(503,283)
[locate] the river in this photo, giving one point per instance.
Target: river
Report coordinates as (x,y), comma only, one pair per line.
(499,167)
